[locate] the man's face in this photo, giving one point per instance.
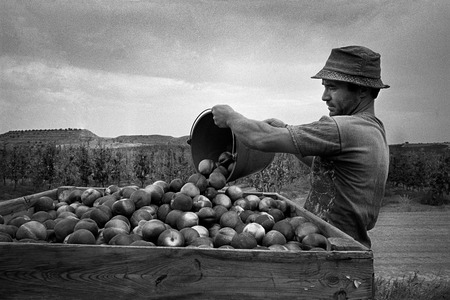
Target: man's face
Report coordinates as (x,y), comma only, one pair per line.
(339,99)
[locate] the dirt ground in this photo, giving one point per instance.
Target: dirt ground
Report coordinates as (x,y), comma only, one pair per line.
(411,238)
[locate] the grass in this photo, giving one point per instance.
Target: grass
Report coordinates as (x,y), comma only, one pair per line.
(411,287)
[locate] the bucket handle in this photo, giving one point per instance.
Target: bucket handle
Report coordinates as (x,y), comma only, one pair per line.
(195,122)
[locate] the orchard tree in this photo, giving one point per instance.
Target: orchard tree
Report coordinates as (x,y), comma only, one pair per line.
(117,166)
(101,165)
(141,166)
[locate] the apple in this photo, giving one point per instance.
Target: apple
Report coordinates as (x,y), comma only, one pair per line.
(242,202)
(210,192)
(125,207)
(126,191)
(171,238)
(172,217)
(138,215)
(87,224)
(225,159)
(316,240)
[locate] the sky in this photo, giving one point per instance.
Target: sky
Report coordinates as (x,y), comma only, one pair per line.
(151,67)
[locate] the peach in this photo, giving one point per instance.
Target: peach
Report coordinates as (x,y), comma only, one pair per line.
(207,216)
(234,192)
(190,189)
(199,202)
(176,184)
(267,203)
(273,237)
(229,219)
(64,227)
(217,180)
(224,236)
(172,217)
(222,199)
(210,192)
(253,201)
(32,230)
(257,230)
(122,239)
(202,230)
(110,232)
(189,234)
(206,166)
(278,247)
(167,197)
(141,198)
(219,210)
(87,224)
(111,189)
(187,219)
(316,240)
(277,214)
(89,196)
(138,215)
(171,238)
(73,196)
(163,211)
(152,229)
(304,229)
(5,238)
(266,221)
(101,214)
(182,201)
(81,236)
(243,240)
(199,181)
(126,191)
(285,228)
(125,207)
(9,229)
(156,191)
(165,186)
(44,203)
(105,200)
(41,216)
(202,242)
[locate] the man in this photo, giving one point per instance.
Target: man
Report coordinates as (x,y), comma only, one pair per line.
(347,150)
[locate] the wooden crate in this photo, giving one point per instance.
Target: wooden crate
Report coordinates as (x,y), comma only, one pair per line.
(61,271)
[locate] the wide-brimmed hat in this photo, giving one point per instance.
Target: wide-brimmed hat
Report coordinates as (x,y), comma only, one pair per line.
(354,64)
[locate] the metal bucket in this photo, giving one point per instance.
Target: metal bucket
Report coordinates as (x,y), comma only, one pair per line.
(208,141)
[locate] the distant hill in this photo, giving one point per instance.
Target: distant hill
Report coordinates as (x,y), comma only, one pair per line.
(73,136)
(419,147)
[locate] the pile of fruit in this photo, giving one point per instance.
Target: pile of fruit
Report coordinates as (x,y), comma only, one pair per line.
(201,212)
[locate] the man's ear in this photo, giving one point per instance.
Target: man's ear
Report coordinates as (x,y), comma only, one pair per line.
(364,91)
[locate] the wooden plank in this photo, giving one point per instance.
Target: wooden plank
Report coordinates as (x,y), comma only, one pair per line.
(10,207)
(45,271)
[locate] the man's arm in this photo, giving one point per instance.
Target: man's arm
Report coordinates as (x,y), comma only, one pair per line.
(254,134)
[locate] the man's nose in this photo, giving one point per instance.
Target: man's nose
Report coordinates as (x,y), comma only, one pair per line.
(326,96)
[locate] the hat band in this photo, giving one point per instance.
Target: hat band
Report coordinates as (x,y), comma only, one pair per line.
(358,80)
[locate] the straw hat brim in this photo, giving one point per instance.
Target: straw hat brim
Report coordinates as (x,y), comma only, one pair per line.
(358,80)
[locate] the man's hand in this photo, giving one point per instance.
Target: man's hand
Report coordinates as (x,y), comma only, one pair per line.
(275,122)
(221,115)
